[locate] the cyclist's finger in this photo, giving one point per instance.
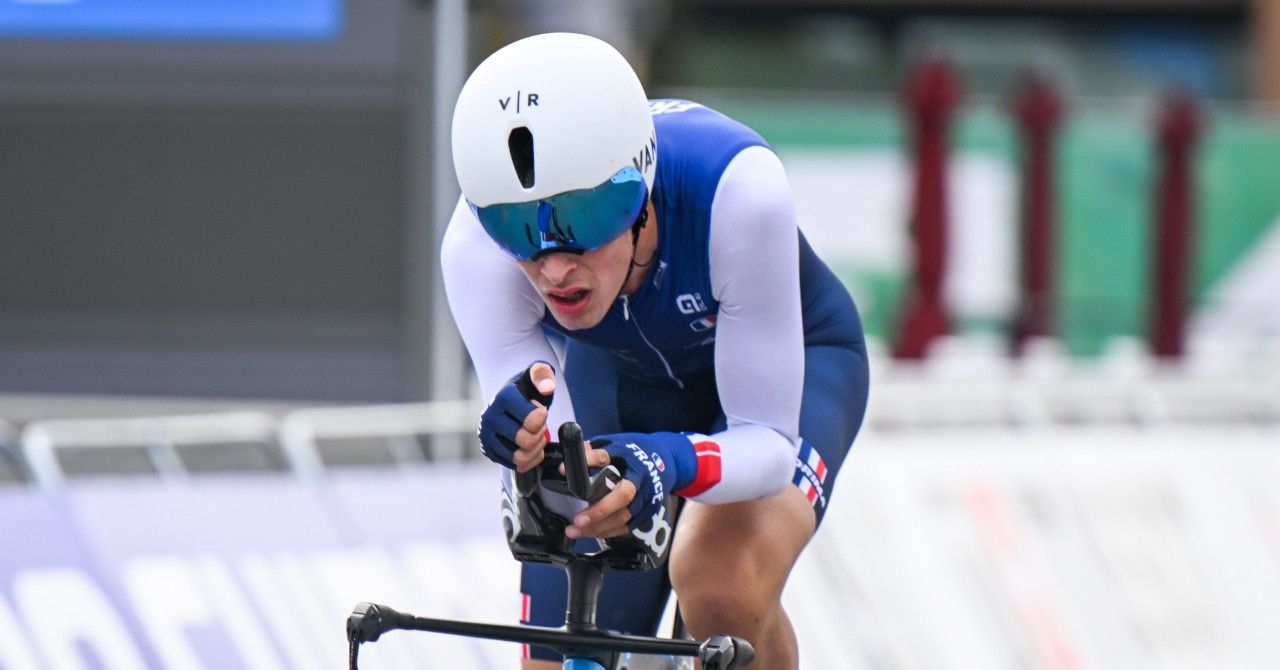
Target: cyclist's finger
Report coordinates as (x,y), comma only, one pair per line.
(525,459)
(610,526)
(614,524)
(543,378)
(528,440)
(536,420)
(597,458)
(617,499)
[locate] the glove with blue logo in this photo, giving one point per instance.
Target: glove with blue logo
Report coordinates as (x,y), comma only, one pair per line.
(513,429)
(656,463)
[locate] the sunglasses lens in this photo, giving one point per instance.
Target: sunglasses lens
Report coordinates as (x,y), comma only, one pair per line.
(578,221)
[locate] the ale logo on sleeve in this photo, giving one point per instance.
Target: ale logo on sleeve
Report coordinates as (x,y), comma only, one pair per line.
(690,303)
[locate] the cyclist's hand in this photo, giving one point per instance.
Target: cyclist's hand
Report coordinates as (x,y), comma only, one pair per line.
(608,516)
(652,465)
(513,429)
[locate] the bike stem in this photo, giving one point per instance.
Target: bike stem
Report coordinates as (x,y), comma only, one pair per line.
(585,580)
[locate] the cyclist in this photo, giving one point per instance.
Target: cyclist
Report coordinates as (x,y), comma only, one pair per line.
(641,259)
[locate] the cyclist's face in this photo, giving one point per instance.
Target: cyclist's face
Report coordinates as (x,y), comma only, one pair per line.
(579,288)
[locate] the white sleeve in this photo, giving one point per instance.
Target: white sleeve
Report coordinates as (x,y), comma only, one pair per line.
(759,354)
(496,309)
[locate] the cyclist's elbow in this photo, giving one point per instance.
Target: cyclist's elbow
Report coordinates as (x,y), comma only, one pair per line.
(777,470)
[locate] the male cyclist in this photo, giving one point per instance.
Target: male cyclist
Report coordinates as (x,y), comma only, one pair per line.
(641,259)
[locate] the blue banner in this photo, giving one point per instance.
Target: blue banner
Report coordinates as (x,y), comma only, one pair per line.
(172,19)
(251,571)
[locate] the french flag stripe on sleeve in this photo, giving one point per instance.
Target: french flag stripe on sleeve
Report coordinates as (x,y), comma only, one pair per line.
(708,453)
(809,490)
(817,465)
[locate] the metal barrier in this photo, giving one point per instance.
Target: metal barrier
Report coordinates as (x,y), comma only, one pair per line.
(11,467)
(972,383)
(965,383)
(402,431)
(166,446)
(306,441)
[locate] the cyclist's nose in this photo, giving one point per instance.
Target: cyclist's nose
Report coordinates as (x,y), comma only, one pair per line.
(557,266)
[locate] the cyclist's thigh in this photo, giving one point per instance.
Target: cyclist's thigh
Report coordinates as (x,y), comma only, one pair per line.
(831,412)
(630,602)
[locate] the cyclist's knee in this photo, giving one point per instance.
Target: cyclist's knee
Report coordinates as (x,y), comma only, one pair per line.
(730,562)
(729,594)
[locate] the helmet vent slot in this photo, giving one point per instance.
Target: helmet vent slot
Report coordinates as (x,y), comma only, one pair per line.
(520,143)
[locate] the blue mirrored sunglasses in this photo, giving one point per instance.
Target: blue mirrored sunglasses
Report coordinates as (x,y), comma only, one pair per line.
(576,221)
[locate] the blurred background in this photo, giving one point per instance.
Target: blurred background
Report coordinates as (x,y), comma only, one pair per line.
(233,403)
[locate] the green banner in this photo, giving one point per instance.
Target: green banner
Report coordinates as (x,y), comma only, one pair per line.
(1106,168)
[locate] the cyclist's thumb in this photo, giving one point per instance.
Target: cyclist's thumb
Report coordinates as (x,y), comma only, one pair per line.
(532,382)
(543,378)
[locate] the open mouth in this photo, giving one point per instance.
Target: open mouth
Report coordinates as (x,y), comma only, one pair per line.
(569,301)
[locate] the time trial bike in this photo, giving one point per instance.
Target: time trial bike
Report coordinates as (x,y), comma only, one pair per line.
(534,518)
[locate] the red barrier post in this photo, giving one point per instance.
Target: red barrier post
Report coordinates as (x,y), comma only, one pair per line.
(932,97)
(1037,108)
(1180,127)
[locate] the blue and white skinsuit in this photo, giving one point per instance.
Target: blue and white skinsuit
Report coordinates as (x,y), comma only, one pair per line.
(739,333)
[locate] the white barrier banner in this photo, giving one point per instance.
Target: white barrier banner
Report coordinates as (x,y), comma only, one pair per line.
(1059,549)
(1056,549)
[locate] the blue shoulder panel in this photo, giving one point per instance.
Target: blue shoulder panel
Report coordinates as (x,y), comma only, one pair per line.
(666,330)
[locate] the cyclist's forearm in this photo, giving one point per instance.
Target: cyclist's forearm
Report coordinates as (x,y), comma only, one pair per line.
(496,311)
(745,462)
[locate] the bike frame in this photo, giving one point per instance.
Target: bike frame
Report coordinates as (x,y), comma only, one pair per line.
(580,664)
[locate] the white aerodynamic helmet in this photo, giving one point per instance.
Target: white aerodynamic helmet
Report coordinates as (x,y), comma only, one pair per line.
(554,145)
